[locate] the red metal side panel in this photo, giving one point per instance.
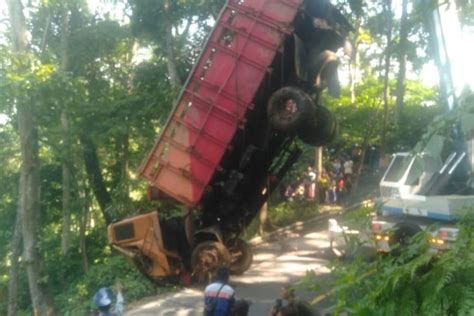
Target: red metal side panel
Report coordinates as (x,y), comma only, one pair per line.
(217,96)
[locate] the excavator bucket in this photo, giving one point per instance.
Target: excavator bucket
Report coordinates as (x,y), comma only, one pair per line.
(140,239)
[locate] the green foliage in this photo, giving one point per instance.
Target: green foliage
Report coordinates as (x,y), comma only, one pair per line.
(9,177)
(445,124)
(149,16)
(73,289)
(286,213)
(364,118)
(103,40)
(417,282)
(76,299)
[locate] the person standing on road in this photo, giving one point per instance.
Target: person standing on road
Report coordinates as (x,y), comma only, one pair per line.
(310,183)
(293,307)
(103,300)
(219,297)
(348,166)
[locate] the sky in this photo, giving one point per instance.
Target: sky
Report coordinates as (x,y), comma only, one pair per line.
(460,44)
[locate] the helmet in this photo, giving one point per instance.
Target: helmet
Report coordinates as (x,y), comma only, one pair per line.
(103,297)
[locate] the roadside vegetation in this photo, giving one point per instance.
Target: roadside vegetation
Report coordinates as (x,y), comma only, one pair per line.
(416,281)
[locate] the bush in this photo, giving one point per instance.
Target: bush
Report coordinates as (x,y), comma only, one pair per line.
(77,299)
(285,213)
(288,212)
(417,282)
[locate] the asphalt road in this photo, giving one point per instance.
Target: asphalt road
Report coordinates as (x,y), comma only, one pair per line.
(284,260)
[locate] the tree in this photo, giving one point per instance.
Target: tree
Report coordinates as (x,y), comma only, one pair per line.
(65,125)
(29,177)
(14,265)
(166,24)
(402,61)
(386,76)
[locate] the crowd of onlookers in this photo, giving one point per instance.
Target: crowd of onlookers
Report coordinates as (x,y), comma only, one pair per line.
(334,183)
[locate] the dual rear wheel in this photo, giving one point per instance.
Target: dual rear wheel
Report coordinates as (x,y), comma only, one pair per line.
(291,110)
(207,256)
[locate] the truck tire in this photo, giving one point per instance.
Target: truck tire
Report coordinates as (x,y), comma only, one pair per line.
(287,109)
(319,129)
(207,257)
(241,256)
(402,236)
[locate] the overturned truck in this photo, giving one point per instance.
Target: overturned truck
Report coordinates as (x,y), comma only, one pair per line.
(231,136)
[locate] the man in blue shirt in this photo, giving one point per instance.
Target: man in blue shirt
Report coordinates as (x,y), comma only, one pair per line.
(219,297)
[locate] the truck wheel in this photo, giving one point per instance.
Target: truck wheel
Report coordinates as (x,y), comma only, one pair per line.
(287,108)
(319,129)
(401,237)
(207,257)
(241,255)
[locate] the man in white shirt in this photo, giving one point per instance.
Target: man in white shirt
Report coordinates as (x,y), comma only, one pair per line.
(348,164)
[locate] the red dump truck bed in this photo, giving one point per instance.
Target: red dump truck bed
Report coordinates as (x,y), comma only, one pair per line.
(217,95)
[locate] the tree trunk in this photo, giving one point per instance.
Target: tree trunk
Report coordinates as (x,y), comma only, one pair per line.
(438,46)
(94,173)
(371,124)
(18,26)
(354,64)
(119,177)
(353,73)
(386,88)
(30,209)
(14,264)
(264,221)
(318,162)
(67,183)
(125,156)
(29,193)
(402,60)
(66,154)
(84,219)
(169,39)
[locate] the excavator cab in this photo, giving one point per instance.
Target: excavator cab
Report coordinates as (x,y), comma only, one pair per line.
(140,238)
(163,248)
